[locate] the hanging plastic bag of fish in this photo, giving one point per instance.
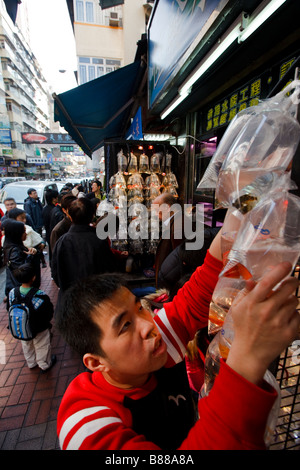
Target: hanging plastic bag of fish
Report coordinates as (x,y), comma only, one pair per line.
(268,234)
(256,149)
(261,154)
(218,350)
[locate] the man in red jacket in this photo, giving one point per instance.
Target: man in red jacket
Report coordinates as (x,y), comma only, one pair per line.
(137,397)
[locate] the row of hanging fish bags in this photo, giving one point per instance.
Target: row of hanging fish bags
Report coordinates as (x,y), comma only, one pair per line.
(251,175)
(141,183)
(159,162)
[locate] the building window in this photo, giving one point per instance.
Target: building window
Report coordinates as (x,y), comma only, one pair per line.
(79,10)
(89,12)
(82,74)
(91,72)
(84,60)
(94,67)
(85,11)
(100,71)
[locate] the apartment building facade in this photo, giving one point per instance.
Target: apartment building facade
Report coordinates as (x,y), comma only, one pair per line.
(106,39)
(25,100)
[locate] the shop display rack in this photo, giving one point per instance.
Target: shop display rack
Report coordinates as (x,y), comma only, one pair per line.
(287,432)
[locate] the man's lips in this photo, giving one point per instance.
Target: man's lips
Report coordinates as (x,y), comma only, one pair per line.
(159,346)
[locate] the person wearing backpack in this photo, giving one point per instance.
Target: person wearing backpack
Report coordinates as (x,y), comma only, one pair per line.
(30,312)
(16,254)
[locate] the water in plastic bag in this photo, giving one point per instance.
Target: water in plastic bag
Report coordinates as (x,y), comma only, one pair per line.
(133,163)
(122,162)
(260,141)
(219,348)
(269,234)
(226,290)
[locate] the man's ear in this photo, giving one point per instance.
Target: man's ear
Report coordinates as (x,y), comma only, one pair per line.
(94,363)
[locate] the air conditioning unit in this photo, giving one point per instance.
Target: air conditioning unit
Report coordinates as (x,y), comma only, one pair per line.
(114,19)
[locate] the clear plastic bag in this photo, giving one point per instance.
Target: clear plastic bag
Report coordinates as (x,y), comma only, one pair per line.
(122,162)
(155,163)
(133,163)
(268,235)
(219,349)
(168,168)
(259,143)
(229,230)
(144,163)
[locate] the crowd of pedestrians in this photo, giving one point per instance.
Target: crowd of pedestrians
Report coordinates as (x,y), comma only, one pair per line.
(23,256)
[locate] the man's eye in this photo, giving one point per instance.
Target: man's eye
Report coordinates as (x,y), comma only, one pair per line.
(125,326)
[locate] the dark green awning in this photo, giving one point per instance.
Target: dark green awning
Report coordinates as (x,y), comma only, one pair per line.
(99,109)
(110,3)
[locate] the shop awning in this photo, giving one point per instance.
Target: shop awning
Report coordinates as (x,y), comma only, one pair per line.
(99,109)
(110,3)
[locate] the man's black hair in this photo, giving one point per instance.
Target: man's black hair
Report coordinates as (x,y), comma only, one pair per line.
(50,195)
(30,190)
(14,213)
(66,200)
(75,317)
(9,199)
(82,211)
(24,273)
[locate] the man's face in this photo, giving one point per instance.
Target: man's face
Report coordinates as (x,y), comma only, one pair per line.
(34,195)
(131,342)
(10,204)
(21,218)
(94,187)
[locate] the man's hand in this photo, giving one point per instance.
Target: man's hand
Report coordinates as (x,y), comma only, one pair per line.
(265,323)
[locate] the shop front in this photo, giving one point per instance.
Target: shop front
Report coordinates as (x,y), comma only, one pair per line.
(242,54)
(223,65)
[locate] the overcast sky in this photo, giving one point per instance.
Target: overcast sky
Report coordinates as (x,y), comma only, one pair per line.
(53,41)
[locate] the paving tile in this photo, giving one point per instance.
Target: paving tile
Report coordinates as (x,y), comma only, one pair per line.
(10,439)
(15,410)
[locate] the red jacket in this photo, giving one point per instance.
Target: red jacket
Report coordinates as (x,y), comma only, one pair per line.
(96,415)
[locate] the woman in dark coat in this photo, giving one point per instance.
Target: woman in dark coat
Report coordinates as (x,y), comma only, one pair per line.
(15,253)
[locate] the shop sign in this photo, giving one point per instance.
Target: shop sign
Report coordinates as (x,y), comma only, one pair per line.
(175,30)
(5,136)
(37,160)
(135,132)
(14,163)
(2,161)
(46,138)
(3,170)
(7,152)
(66,148)
(222,112)
(31,169)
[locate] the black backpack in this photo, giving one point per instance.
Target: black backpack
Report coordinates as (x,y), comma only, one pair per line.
(20,315)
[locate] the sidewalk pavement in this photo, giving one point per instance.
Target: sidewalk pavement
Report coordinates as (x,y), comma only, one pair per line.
(29,399)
